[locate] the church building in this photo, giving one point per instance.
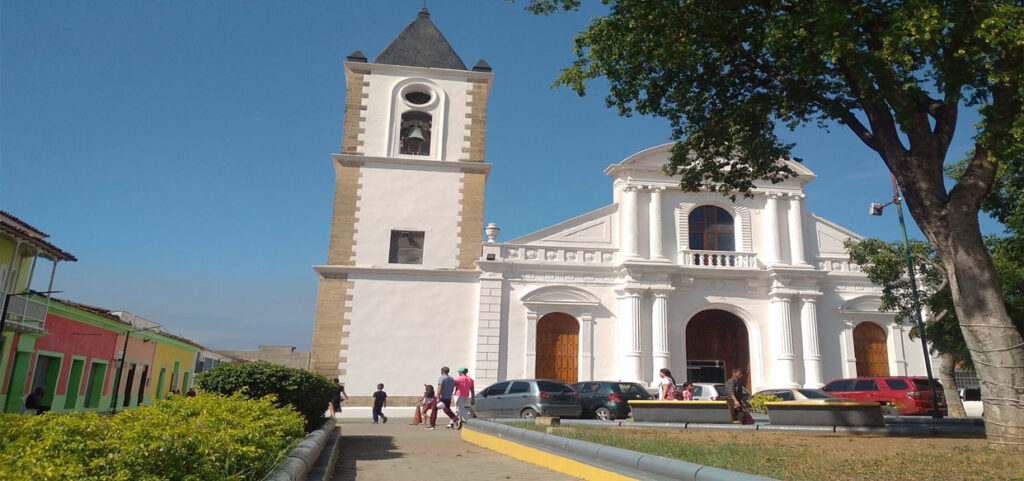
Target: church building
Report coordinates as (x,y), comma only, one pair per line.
(691,281)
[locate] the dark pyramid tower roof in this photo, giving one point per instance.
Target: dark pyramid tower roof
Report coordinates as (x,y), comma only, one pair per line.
(421,44)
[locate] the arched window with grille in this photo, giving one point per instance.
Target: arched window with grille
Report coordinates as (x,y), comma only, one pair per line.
(415,131)
(712,229)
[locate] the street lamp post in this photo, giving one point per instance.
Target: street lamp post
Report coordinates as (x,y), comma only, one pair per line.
(876,209)
(120,368)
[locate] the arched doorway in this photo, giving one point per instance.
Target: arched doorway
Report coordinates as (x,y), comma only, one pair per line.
(558,337)
(716,343)
(870,350)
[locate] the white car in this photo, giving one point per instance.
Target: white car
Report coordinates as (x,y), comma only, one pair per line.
(798,394)
(971,399)
(708,391)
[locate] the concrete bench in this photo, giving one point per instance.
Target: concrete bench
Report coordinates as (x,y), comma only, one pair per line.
(846,413)
(716,412)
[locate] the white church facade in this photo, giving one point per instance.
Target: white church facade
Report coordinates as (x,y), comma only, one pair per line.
(691,281)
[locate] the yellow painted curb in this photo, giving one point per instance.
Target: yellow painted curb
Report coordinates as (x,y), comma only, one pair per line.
(541,458)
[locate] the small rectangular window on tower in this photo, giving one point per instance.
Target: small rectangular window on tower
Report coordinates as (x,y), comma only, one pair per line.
(406,247)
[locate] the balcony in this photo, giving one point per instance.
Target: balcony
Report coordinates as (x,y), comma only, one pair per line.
(718,259)
(21,308)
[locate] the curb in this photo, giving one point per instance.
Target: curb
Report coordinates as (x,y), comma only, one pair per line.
(301,458)
(588,460)
(910,429)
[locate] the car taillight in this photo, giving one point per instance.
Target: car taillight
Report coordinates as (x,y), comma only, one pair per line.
(614,398)
(714,398)
(576,394)
(913,395)
(543,395)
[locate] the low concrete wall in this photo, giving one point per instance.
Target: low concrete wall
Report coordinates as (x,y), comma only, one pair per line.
(302,458)
(681,411)
(852,414)
(589,460)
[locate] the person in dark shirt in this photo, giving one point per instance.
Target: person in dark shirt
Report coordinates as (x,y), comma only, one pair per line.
(35,401)
(739,405)
(380,399)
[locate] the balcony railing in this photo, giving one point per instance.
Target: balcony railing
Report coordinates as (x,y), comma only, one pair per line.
(718,259)
(21,308)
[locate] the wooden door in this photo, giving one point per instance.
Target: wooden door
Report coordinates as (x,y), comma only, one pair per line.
(869,347)
(558,348)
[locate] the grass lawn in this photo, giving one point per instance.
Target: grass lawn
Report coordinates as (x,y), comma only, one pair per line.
(815,457)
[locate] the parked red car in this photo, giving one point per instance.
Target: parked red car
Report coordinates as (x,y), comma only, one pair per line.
(910,395)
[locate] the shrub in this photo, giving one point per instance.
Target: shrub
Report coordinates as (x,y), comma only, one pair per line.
(758,400)
(205,438)
(306,392)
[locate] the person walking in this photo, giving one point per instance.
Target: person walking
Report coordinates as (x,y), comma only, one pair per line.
(687,392)
(667,386)
(465,396)
(739,405)
(334,407)
(380,400)
(443,399)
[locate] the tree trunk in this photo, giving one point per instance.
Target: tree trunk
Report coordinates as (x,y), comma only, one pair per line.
(952,390)
(996,346)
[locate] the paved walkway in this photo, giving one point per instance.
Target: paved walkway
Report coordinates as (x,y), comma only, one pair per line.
(399,451)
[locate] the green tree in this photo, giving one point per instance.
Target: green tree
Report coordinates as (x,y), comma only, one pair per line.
(895,73)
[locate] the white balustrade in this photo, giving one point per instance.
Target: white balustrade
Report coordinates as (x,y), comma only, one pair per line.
(718,259)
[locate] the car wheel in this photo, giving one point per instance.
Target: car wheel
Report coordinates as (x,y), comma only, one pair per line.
(472,413)
(890,410)
(528,414)
(603,413)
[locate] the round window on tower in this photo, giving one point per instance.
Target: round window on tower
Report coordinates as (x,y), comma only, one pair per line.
(418,95)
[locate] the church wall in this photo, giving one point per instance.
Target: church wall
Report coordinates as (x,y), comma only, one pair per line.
(404,328)
(394,198)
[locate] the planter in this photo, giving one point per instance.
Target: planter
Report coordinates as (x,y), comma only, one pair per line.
(715,412)
(856,414)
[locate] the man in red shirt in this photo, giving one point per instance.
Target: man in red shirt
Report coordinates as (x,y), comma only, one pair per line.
(465,395)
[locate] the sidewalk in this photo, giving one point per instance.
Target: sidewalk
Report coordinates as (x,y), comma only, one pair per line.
(399,451)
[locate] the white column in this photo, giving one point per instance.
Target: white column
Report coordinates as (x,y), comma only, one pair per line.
(809,333)
(796,229)
(630,364)
(782,338)
(655,221)
(530,367)
(659,332)
(628,216)
(771,254)
(586,371)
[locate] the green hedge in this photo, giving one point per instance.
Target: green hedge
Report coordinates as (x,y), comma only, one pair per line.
(307,392)
(758,400)
(203,438)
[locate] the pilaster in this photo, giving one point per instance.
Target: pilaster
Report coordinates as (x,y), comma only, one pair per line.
(629,343)
(809,336)
(782,336)
(770,225)
(628,232)
(654,211)
(796,230)
(659,332)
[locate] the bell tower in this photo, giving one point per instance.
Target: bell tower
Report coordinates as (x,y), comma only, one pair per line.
(408,204)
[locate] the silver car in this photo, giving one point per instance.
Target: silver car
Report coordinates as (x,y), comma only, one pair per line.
(527,398)
(708,391)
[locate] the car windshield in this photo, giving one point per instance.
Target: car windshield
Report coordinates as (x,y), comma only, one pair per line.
(922,385)
(815,394)
(628,388)
(548,386)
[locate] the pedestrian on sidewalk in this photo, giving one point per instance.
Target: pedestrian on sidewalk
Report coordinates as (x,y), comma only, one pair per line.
(465,395)
(380,400)
(426,404)
(443,399)
(334,407)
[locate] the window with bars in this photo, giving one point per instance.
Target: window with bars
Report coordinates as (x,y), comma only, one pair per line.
(406,247)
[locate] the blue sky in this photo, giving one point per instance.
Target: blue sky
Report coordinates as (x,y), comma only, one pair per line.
(181,150)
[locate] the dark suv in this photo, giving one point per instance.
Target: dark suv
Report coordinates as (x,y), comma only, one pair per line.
(910,395)
(608,399)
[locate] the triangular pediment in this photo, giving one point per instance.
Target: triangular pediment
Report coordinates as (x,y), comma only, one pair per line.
(832,237)
(593,229)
